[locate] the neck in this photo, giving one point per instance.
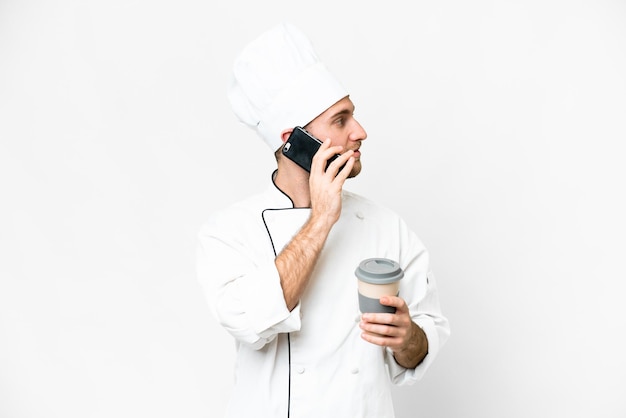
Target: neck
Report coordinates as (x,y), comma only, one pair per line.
(294,182)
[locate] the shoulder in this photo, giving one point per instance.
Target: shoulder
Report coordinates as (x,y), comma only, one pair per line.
(241,214)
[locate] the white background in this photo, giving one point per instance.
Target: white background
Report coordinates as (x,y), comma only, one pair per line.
(495,128)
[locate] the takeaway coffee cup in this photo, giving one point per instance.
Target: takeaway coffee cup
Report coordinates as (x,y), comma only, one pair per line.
(377,277)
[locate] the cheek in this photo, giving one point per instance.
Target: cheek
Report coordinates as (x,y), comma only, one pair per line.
(341,141)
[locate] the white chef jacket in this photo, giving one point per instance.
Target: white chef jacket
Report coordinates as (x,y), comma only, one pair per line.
(311,361)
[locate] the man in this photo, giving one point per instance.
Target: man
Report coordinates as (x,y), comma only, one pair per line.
(278,268)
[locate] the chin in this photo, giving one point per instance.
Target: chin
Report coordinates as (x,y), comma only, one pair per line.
(356,169)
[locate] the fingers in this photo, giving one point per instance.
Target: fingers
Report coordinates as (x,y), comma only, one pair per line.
(386,329)
(342,166)
(383,335)
(388,319)
(395,301)
(325,153)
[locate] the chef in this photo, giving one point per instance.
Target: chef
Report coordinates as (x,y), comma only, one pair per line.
(278,267)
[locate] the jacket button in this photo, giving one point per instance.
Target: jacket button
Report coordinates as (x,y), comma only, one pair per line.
(355,370)
(300,369)
(359,215)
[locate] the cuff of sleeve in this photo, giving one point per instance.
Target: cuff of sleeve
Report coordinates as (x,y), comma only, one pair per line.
(268,313)
(402,376)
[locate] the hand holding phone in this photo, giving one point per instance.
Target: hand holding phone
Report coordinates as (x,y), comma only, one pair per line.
(301,147)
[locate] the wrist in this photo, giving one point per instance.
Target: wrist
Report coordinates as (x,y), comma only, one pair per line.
(320,223)
(415,349)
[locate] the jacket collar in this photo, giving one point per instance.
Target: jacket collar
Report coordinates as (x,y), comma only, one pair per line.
(279,198)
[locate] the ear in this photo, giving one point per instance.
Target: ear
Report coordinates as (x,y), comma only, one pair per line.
(284,135)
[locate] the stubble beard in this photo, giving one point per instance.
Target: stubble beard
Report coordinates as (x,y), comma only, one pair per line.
(356,169)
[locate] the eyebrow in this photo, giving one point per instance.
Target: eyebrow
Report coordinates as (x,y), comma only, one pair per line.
(343,112)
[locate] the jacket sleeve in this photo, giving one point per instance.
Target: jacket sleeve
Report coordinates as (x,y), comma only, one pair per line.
(419,290)
(241,285)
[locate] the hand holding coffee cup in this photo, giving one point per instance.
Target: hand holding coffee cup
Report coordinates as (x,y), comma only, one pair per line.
(377,277)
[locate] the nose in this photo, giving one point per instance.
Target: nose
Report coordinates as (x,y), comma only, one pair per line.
(358,133)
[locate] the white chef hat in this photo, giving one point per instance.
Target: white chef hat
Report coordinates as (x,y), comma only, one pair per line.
(278,83)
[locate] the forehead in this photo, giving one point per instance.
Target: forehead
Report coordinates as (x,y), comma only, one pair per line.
(343,106)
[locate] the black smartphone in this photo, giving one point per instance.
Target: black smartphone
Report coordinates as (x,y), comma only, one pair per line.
(301,147)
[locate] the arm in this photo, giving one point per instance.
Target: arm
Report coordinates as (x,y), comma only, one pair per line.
(415,334)
(296,261)
(245,288)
